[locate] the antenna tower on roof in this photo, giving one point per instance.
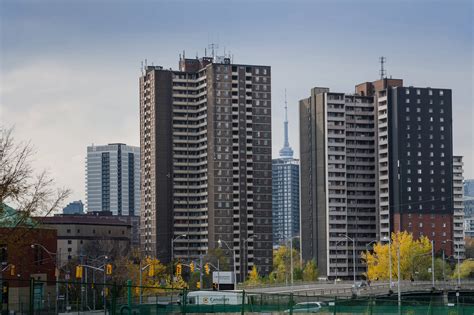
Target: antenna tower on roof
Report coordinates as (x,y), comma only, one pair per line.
(383,72)
(213,47)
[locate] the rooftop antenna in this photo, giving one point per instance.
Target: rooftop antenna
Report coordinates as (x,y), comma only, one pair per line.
(141,67)
(383,72)
(213,47)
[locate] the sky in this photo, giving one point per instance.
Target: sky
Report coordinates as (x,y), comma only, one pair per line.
(69,70)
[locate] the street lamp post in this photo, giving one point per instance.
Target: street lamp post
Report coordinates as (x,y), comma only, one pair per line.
(172,245)
(335,279)
(56,271)
(291,257)
(389,259)
(220,242)
(141,270)
(353,256)
(459,270)
(459,264)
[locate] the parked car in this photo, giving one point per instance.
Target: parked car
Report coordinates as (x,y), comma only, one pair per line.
(307,307)
(360,285)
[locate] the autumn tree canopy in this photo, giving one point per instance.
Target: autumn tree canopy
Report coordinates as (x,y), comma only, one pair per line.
(415,257)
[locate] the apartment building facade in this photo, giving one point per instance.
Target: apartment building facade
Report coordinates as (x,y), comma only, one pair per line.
(113,179)
(414,160)
(338,180)
(205,134)
(377,162)
(458,217)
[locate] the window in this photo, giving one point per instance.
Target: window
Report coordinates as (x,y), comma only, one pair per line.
(421,224)
(418,110)
(418,92)
(68,231)
(407,92)
(408,109)
(69,242)
(430,92)
(3,255)
(419,189)
(407,101)
(441,93)
(408,188)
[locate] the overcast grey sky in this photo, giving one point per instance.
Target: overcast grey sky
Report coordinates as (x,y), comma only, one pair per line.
(70,69)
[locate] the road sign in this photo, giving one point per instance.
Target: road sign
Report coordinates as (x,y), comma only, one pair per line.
(223,277)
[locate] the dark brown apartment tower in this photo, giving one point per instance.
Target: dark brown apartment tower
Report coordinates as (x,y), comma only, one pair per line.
(205,135)
(373,163)
(415,163)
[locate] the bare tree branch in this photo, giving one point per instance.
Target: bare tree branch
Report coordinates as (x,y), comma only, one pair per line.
(30,194)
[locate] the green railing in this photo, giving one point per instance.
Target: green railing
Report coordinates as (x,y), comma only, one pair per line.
(39,297)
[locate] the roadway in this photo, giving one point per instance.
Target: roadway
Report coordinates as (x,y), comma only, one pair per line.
(345,288)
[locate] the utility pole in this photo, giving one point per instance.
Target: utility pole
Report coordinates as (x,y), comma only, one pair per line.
(291,259)
(200,271)
(432,264)
(399,276)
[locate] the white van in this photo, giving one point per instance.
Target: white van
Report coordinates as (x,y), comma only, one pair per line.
(214,298)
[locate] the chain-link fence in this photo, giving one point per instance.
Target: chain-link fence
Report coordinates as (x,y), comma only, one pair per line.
(39,297)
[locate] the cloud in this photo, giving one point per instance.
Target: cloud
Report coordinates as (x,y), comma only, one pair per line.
(63,107)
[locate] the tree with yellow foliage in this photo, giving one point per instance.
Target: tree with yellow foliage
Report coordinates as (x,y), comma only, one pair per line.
(154,275)
(254,277)
(414,255)
(466,270)
(282,262)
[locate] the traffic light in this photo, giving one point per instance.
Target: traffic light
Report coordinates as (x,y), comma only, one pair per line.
(12,270)
(191,266)
(108,269)
(151,271)
(79,272)
(178,269)
(198,285)
(207,269)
